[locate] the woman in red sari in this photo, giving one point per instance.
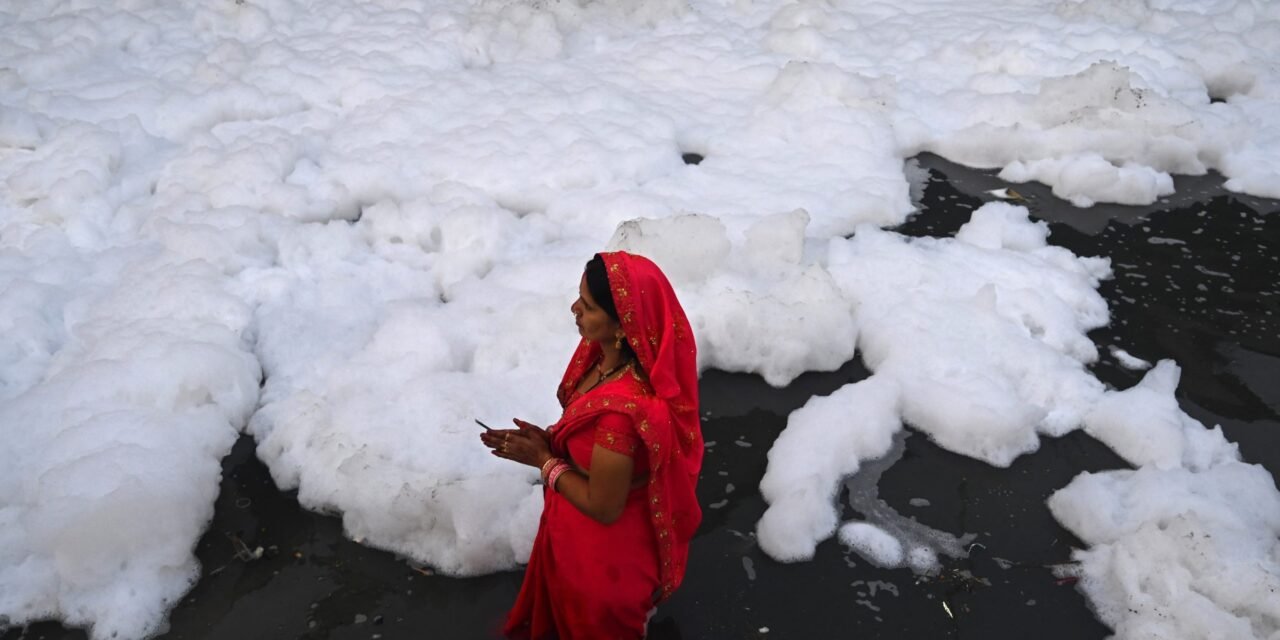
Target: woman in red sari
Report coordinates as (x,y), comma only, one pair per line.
(620,466)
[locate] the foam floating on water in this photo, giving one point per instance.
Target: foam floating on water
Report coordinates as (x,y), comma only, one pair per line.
(384,211)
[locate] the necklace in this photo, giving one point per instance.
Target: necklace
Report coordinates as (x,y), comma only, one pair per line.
(605,374)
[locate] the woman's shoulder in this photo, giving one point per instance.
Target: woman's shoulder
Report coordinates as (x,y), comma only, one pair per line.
(637,382)
(633,396)
(618,431)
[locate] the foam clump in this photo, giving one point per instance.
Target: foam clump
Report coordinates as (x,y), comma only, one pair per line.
(1087,179)
(922,544)
(1128,360)
(1146,427)
(1101,134)
(978,341)
(112,453)
(1000,225)
(987,346)
(754,305)
(873,543)
(1177,552)
(345,332)
(854,424)
(1183,546)
(689,247)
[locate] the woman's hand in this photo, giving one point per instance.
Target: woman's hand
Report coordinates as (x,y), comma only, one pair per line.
(528,444)
(533,429)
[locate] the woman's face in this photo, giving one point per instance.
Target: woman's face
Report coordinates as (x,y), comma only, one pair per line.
(593,322)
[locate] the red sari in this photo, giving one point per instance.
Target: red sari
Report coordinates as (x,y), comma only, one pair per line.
(590,581)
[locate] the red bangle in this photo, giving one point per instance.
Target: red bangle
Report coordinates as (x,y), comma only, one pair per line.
(547,465)
(555,474)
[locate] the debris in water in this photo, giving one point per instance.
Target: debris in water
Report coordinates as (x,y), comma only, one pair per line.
(421,568)
(242,550)
(1006,194)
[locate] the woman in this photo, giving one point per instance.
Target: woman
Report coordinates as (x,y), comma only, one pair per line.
(620,466)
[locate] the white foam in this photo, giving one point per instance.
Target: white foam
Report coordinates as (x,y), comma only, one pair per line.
(978,341)
(389,206)
(1128,360)
(987,345)
(1178,552)
(1087,179)
(855,423)
(112,452)
(1184,545)
(999,225)
(872,543)
(739,292)
(1145,426)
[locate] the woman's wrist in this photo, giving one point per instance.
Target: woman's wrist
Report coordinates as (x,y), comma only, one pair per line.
(546,465)
(557,470)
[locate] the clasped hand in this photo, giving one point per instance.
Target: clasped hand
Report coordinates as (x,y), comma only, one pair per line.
(528,444)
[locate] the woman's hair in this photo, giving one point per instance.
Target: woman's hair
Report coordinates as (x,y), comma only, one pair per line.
(598,285)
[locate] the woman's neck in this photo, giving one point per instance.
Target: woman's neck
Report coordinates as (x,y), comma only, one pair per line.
(610,357)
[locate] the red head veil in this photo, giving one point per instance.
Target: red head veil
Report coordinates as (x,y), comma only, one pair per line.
(667,417)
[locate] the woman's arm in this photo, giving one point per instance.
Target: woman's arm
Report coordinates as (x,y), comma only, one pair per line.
(603,495)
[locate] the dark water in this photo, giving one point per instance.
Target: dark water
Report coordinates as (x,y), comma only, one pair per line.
(1197,280)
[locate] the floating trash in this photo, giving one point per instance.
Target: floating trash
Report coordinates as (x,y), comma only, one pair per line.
(242,551)
(1006,194)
